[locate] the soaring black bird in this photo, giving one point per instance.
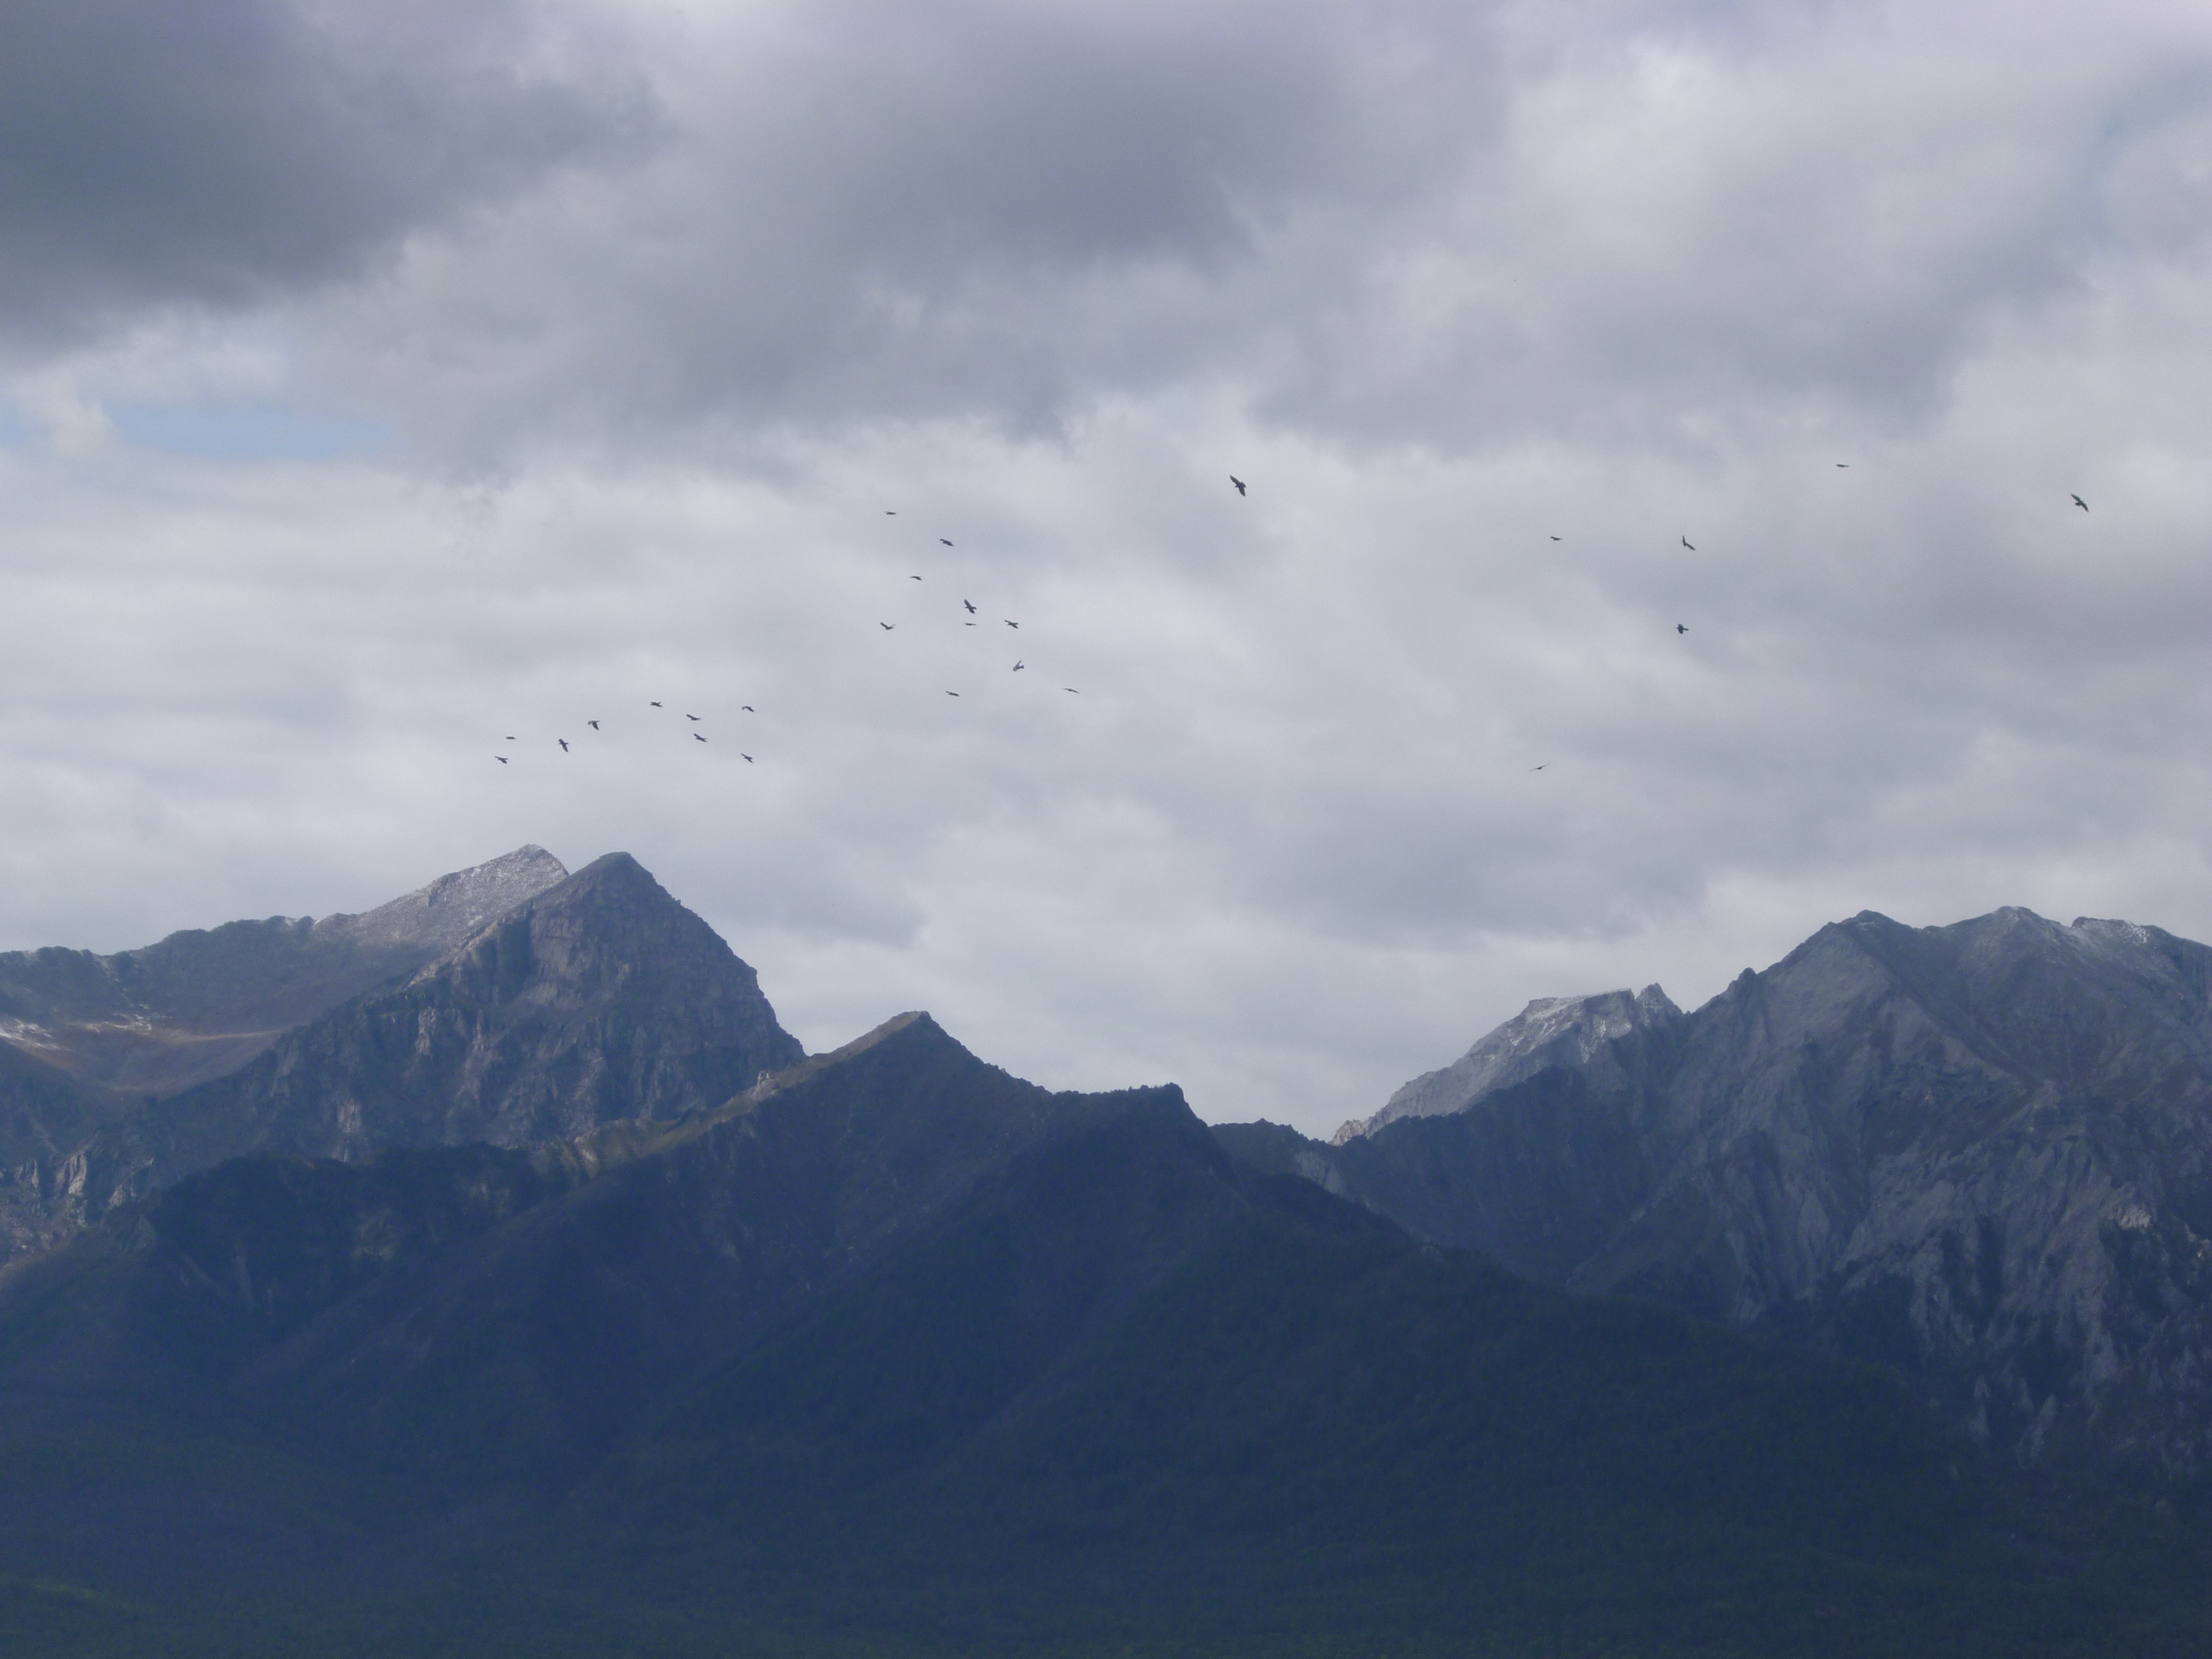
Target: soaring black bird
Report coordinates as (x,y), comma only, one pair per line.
(2079,503)
(1011,623)
(594,725)
(1559,539)
(942,539)
(510,737)
(747,707)
(1687,543)
(563,742)
(743,756)
(656,705)
(695,738)
(501,759)
(886,627)
(1681,628)
(1238,481)
(952,694)
(1539,769)
(1070,688)
(971,609)
(914,578)
(694,718)
(1843,464)
(891,513)
(1018,668)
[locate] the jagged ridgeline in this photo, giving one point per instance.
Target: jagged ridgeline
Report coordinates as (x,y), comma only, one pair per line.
(504,1278)
(509,1003)
(1979,1154)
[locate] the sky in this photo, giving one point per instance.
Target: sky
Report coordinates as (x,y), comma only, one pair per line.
(1661,423)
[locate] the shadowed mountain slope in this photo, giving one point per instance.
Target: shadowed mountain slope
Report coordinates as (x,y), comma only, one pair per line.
(1981,1154)
(899,1354)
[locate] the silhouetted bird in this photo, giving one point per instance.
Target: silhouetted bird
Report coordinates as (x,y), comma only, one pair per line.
(694,718)
(743,756)
(747,707)
(2079,503)
(1687,543)
(510,737)
(914,578)
(594,725)
(656,705)
(1018,668)
(942,539)
(952,694)
(695,738)
(1070,688)
(886,627)
(501,759)
(1238,481)
(891,513)
(971,609)
(1539,769)
(1843,464)
(1011,623)
(1559,539)
(563,742)
(1681,628)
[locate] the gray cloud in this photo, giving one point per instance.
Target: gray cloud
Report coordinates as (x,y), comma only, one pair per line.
(223,152)
(1440,285)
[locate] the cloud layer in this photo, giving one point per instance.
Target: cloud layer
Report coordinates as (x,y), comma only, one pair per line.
(511,369)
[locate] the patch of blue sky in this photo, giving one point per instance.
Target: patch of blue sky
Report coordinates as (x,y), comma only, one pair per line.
(17,430)
(246,432)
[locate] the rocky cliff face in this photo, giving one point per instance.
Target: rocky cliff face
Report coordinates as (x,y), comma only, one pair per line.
(1981,1154)
(204,1002)
(509,1004)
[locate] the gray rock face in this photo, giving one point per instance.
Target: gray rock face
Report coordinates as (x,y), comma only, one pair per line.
(1551,1031)
(1981,1154)
(201,1003)
(510,1004)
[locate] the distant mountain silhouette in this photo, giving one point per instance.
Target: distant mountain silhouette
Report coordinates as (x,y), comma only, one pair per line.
(1981,1153)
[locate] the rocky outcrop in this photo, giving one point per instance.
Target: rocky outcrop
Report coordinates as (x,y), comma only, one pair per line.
(1981,1153)
(201,1003)
(518,1011)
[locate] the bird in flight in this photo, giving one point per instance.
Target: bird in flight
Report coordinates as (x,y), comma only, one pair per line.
(594,725)
(510,737)
(695,738)
(1011,623)
(694,718)
(501,759)
(952,694)
(563,742)
(743,756)
(1070,688)
(942,539)
(1539,769)
(891,513)
(1559,539)
(1687,543)
(914,579)
(1681,628)
(747,707)
(656,705)
(1238,481)
(2079,503)
(1018,668)
(1843,464)
(886,627)
(971,609)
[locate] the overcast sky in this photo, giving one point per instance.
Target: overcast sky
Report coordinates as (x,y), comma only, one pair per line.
(381,382)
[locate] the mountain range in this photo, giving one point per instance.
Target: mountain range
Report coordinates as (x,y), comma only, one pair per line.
(1980,1154)
(492,1273)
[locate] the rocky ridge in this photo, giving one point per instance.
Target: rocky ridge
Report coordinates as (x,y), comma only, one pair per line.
(1980,1153)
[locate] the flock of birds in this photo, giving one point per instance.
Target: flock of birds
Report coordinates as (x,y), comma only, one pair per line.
(1021,666)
